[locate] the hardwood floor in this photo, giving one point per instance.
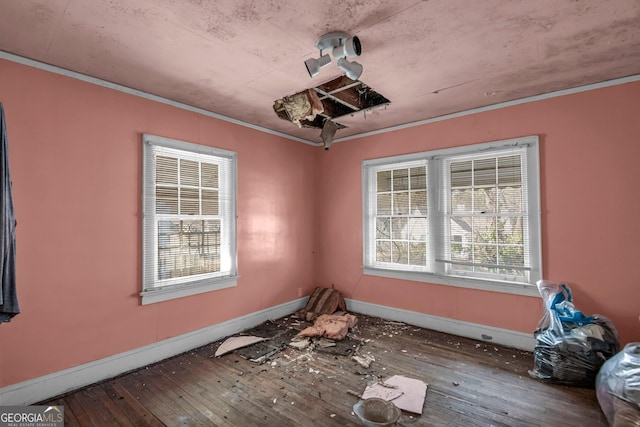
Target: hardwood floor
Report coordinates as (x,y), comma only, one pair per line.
(470,383)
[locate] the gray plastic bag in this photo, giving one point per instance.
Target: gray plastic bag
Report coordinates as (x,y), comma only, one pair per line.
(618,387)
(570,347)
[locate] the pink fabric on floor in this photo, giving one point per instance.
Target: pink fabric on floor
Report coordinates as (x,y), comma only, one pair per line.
(331,326)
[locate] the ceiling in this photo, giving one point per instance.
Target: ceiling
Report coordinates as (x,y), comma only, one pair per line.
(236,57)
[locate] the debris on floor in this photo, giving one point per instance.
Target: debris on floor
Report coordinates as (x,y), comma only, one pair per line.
(234,343)
(383,391)
(412,392)
(300,342)
(322,301)
(344,347)
(296,346)
(324,343)
(261,352)
(328,335)
(364,360)
(332,326)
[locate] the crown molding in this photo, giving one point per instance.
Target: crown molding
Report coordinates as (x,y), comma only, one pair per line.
(135,92)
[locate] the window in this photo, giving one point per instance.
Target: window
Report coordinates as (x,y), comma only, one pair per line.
(189,219)
(466,216)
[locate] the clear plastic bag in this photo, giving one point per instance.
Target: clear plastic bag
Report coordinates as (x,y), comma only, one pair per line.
(570,347)
(618,387)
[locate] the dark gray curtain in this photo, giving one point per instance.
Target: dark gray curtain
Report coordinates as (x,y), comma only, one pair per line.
(8,297)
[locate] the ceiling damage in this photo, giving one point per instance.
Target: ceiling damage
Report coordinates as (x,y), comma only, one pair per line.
(318,107)
(235,57)
(340,97)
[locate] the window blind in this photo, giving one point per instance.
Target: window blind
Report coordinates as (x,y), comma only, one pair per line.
(485,230)
(456,214)
(399,215)
(188,213)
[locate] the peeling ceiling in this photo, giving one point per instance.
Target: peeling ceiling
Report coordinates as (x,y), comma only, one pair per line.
(235,57)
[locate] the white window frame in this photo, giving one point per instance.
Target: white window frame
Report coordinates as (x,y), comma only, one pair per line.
(154,289)
(435,271)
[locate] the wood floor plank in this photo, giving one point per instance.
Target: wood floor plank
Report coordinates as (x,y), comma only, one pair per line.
(75,411)
(198,389)
(136,412)
(69,416)
(436,362)
(274,394)
(157,402)
(470,383)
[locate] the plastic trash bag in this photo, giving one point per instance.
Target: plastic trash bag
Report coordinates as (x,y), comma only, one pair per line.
(570,347)
(618,387)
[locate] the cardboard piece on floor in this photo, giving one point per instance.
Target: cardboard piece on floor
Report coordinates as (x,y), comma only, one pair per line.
(378,390)
(411,399)
(235,343)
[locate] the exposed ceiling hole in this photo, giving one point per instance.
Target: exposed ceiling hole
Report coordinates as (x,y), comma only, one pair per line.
(339,97)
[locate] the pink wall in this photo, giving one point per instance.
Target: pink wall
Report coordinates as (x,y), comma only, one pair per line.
(75,156)
(590,146)
(75,152)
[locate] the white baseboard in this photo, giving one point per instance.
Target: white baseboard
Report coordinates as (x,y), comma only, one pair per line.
(57,383)
(506,337)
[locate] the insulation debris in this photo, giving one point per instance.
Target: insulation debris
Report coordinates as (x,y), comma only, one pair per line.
(330,326)
(300,106)
(340,97)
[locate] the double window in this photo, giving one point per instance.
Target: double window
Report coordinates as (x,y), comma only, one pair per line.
(189,219)
(466,216)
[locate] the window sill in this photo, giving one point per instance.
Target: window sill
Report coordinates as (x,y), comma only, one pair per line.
(484,285)
(166,293)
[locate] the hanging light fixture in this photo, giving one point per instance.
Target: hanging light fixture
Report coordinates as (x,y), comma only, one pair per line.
(315,65)
(353,69)
(341,46)
(348,47)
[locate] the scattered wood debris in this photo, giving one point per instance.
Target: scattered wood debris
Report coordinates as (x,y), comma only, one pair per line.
(337,334)
(279,337)
(364,360)
(300,342)
(324,343)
